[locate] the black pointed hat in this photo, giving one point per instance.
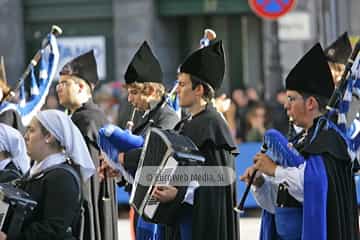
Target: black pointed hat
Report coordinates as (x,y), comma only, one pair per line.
(339,51)
(144,67)
(311,74)
(84,67)
(207,64)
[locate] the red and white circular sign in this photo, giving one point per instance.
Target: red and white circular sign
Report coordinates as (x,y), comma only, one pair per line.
(271,9)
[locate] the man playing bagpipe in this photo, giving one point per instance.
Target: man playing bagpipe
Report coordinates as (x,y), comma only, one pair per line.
(310,196)
(77,81)
(200,74)
(146,93)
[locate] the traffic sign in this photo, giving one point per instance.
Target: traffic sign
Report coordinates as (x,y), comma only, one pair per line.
(271,9)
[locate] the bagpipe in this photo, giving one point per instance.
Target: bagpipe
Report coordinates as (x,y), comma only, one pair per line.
(15,205)
(48,56)
(164,151)
(113,140)
(339,103)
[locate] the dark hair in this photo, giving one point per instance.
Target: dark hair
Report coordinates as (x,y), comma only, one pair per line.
(209,92)
(322,101)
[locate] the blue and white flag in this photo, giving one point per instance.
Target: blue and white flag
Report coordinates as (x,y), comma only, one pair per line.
(353,132)
(39,88)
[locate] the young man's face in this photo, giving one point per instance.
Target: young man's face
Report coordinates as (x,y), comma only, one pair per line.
(137,98)
(295,107)
(184,90)
(67,90)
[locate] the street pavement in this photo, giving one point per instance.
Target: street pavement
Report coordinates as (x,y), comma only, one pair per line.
(249,226)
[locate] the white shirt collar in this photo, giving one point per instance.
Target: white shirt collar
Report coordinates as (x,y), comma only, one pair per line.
(49,161)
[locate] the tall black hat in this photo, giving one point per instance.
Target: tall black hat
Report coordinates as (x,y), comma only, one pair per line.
(207,64)
(84,67)
(311,74)
(339,51)
(144,67)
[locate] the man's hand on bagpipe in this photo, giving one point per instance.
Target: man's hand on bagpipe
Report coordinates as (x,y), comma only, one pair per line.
(264,164)
(258,178)
(105,170)
(164,194)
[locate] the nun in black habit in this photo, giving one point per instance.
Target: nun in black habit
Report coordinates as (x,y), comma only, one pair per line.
(62,163)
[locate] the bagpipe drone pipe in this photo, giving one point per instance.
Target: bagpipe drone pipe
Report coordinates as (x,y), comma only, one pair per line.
(47,57)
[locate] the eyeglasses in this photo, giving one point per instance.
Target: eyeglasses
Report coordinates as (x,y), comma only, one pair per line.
(291,99)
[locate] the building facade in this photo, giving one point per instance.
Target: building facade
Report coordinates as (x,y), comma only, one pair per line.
(255,54)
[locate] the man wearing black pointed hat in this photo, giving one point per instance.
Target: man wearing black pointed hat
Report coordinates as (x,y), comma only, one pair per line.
(78,78)
(315,197)
(337,54)
(211,214)
(146,93)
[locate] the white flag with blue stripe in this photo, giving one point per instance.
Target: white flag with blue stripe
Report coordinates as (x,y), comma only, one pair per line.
(353,132)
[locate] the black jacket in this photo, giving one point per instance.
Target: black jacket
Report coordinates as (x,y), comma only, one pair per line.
(89,118)
(342,215)
(209,131)
(160,117)
(58,205)
(9,173)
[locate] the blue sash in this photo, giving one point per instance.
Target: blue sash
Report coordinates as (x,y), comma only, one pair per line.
(186,224)
(314,207)
(288,222)
(148,231)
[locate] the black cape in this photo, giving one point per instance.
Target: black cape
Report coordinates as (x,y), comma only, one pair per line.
(56,192)
(13,119)
(160,116)
(342,214)
(213,214)
(98,225)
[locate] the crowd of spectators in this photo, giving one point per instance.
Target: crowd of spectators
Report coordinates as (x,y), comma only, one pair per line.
(246,113)
(249,117)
